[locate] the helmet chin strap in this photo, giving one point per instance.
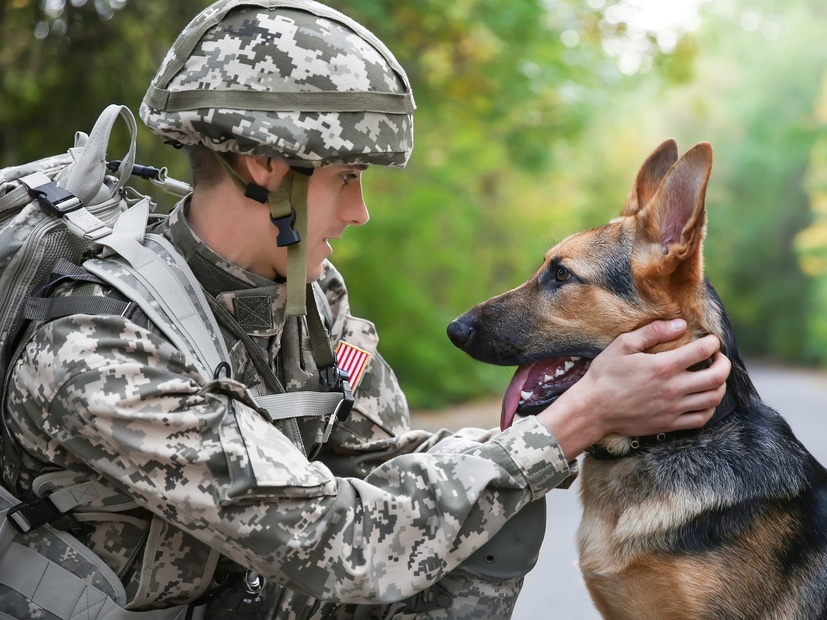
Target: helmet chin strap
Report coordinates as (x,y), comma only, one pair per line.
(288,212)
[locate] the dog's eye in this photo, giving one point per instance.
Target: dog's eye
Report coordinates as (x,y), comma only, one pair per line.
(562,274)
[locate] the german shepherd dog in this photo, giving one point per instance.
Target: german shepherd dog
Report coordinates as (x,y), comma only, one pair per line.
(726,522)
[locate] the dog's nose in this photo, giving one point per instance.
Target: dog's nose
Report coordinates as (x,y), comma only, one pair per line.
(460,332)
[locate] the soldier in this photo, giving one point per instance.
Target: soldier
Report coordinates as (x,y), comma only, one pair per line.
(282,105)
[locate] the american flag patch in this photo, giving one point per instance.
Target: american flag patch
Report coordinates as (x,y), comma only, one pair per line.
(352,360)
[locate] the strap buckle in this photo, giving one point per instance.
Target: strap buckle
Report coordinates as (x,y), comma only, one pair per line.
(287,234)
(338,380)
(343,410)
(56,199)
(30,515)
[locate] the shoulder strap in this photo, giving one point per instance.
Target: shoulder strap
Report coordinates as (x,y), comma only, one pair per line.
(162,285)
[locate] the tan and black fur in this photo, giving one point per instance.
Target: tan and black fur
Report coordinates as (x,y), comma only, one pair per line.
(727,522)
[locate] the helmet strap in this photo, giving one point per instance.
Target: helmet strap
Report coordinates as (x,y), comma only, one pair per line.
(288,212)
(296,252)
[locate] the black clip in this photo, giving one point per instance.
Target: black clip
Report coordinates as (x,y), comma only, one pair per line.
(287,234)
(56,199)
(338,380)
(144,172)
(343,410)
(27,516)
(256,192)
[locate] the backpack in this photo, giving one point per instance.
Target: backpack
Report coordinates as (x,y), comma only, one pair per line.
(53,213)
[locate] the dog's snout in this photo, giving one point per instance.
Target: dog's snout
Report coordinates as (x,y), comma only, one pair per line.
(461,331)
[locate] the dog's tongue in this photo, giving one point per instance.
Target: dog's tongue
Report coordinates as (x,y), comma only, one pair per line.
(536,385)
(512,397)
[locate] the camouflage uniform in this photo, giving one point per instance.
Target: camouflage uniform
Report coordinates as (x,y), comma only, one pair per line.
(203,484)
(384,512)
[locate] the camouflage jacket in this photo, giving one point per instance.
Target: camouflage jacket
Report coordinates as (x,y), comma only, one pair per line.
(383,512)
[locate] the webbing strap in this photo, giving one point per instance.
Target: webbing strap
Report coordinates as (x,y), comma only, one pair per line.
(89,493)
(68,597)
(175,290)
(85,224)
(85,177)
(82,222)
(48,308)
(299,404)
(319,339)
(269,101)
(7,534)
(50,506)
(297,253)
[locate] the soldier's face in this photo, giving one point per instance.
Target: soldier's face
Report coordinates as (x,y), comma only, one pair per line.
(334,202)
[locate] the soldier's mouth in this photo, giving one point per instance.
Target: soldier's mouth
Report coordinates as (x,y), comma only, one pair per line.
(535,386)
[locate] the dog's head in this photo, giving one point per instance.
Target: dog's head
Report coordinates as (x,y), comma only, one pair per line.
(646,264)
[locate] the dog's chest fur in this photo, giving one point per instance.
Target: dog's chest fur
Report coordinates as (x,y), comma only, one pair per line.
(623,540)
(700,528)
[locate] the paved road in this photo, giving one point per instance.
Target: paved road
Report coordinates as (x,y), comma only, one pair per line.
(554,590)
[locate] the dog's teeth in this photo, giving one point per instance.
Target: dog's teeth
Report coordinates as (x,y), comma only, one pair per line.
(547,378)
(575,359)
(568,366)
(559,372)
(525,396)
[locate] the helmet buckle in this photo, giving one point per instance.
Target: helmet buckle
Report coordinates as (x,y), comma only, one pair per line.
(287,233)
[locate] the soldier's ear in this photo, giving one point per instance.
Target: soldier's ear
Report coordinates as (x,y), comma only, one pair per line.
(262,170)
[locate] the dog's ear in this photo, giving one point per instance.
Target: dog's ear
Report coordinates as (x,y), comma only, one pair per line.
(650,176)
(674,221)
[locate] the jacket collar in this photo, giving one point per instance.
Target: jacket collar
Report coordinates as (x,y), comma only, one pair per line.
(257,303)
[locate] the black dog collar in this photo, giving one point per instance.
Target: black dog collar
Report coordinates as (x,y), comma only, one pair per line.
(639,445)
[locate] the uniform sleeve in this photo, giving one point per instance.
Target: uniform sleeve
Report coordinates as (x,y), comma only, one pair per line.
(104,393)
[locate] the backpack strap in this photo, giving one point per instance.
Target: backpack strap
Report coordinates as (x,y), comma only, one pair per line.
(162,285)
(68,597)
(41,307)
(29,576)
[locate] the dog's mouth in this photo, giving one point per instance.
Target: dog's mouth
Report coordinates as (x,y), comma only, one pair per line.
(535,386)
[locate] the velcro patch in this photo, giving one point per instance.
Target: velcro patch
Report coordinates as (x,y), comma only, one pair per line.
(254,312)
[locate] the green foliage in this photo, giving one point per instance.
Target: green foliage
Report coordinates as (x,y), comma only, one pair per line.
(495,70)
(759,117)
(486,192)
(811,243)
(59,69)
(520,140)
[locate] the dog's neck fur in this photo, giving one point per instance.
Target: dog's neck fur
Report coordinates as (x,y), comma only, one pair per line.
(741,392)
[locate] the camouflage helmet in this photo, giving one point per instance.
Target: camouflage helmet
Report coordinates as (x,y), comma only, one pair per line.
(292,79)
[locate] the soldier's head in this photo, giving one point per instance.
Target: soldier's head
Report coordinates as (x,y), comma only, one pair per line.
(290,86)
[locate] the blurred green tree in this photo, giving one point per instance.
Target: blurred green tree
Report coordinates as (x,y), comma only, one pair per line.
(62,62)
(757,84)
(504,91)
(811,243)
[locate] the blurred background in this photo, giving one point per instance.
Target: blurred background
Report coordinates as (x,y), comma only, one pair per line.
(533,118)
